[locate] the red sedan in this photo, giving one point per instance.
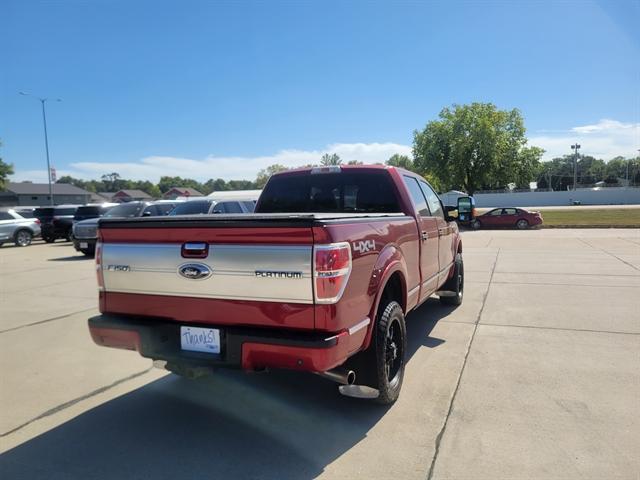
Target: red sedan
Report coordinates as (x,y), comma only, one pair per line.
(507,218)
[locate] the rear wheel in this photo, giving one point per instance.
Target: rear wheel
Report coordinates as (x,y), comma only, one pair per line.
(22,238)
(48,238)
(389,345)
(476,224)
(522,224)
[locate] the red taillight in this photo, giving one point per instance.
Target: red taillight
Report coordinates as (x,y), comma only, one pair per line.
(332,266)
(37,220)
(99,265)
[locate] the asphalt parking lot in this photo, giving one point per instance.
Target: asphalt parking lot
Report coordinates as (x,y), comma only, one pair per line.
(535,376)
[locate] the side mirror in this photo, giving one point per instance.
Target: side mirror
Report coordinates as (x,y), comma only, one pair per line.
(146,213)
(466,209)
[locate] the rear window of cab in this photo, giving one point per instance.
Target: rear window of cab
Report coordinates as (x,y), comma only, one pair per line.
(343,192)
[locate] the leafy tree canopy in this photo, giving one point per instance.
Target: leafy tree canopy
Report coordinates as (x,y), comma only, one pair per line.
(476,146)
(265,173)
(6,169)
(330,159)
(401,161)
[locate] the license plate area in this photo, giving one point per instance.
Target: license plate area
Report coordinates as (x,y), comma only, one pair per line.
(84,245)
(198,339)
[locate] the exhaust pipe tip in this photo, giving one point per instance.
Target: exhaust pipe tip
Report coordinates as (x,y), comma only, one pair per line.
(351,377)
(339,375)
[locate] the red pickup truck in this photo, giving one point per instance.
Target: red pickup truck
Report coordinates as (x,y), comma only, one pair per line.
(318,279)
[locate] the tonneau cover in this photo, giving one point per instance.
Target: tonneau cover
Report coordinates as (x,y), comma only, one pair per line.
(244,220)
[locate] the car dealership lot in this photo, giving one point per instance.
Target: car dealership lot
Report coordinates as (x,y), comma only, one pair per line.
(536,375)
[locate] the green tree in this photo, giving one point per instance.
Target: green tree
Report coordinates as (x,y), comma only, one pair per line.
(330,159)
(476,146)
(240,185)
(69,180)
(401,161)
(217,185)
(265,173)
(148,187)
(167,183)
(111,181)
(6,169)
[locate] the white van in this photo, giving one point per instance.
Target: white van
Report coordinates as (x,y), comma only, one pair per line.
(239,201)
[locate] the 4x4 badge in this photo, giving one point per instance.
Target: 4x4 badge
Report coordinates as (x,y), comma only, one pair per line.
(364,246)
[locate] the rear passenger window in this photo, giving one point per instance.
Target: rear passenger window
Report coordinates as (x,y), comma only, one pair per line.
(250,206)
(6,216)
(164,208)
(65,211)
(432,199)
(230,207)
(417,196)
(151,210)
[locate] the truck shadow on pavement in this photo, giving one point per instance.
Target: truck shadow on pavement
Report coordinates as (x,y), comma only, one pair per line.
(281,425)
(72,258)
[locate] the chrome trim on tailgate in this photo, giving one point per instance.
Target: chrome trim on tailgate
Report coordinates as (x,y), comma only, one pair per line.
(153,270)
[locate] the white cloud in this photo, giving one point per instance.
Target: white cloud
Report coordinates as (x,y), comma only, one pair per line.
(605,139)
(152,168)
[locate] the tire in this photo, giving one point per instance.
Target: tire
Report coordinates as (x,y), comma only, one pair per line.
(390,345)
(522,224)
(22,238)
(88,252)
(49,239)
(476,224)
(455,284)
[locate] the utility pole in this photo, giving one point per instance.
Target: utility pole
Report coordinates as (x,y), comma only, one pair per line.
(575,147)
(46,141)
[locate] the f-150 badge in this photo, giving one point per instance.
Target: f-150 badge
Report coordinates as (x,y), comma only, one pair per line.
(364,246)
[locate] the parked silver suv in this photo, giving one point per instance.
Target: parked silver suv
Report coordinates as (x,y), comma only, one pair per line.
(17,229)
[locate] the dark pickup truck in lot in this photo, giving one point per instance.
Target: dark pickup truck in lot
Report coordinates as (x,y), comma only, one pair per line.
(85,231)
(56,222)
(318,279)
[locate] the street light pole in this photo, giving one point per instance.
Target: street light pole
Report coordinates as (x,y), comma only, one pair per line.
(46,142)
(575,147)
(46,147)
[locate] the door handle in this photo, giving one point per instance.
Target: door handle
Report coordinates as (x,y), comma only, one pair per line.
(424,236)
(443,231)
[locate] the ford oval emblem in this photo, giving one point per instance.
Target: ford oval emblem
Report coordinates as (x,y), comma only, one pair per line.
(194,271)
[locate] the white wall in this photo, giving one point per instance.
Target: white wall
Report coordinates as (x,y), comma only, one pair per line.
(586,196)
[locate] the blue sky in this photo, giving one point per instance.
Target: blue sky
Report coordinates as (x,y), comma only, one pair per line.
(222,89)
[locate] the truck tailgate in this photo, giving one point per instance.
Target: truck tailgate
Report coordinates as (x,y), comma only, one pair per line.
(274,273)
(260,272)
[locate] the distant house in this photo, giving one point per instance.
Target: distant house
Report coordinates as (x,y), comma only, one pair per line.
(107,195)
(99,198)
(35,194)
(124,196)
(176,192)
